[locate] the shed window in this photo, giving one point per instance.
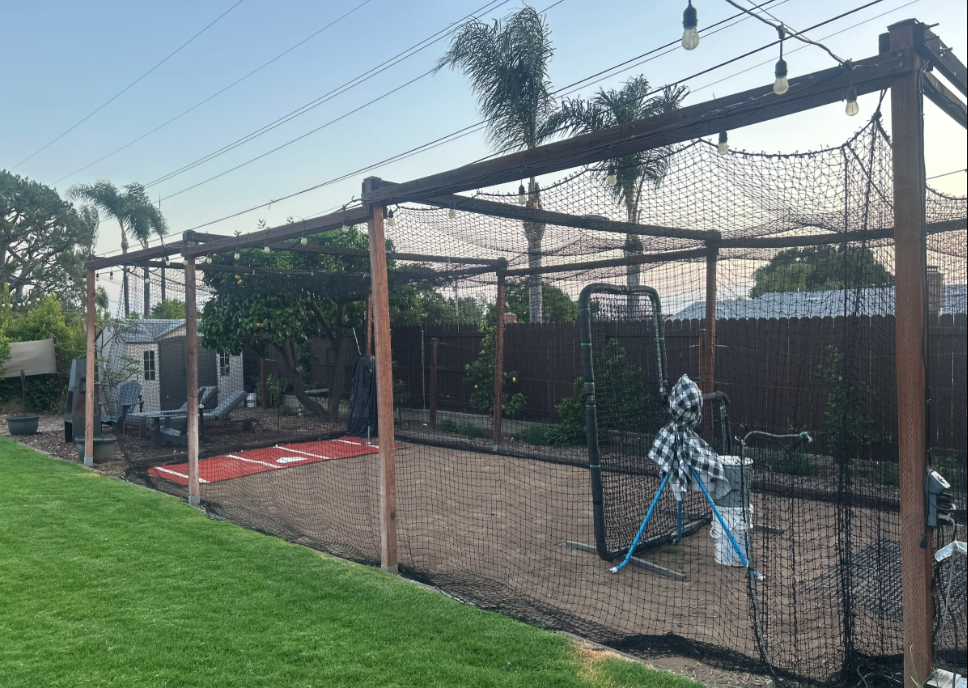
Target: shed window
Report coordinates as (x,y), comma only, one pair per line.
(224,365)
(150,370)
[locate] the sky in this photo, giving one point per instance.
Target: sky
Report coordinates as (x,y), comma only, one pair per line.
(70,58)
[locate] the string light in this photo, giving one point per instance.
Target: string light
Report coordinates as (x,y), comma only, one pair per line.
(522,196)
(237,255)
(304,241)
(111,275)
(723,143)
(853,108)
(690,25)
(167,260)
(782,83)
(612,178)
(452,213)
(390,219)
(208,259)
(266,249)
(346,228)
(97,276)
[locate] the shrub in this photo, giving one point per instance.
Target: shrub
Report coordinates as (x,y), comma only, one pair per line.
(480,373)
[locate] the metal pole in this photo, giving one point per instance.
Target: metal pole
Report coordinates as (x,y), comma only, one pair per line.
(90,373)
(191,380)
(384,391)
(911,340)
(499,361)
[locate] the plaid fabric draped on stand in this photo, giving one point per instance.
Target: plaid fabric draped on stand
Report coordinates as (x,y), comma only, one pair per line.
(678,448)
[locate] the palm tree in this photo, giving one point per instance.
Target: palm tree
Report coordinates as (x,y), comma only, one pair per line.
(607,109)
(507,64)
(135,215)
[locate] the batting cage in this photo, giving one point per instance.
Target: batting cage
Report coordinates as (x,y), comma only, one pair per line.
(649,393)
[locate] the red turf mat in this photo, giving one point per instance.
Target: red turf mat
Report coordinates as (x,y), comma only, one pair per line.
(263,460)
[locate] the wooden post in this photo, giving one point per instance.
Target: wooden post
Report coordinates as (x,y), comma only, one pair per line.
(910,275)
(264,392)
(433,384)
(369,323)
(90,373)
(499,362)
(191,380)
(147,293)
(384,392)
(707,372)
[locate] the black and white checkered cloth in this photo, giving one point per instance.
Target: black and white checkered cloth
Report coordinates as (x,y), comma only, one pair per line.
(678,448)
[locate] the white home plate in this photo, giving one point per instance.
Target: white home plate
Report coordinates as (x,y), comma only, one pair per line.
(292,459)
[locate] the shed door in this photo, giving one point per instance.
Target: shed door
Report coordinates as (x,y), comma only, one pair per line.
(171,371)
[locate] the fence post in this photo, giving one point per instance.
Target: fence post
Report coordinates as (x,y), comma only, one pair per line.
(90,373)
(707,348)
(384,391)
(191,380)
(433,384)
(369,323)
(910,275)
(499,361)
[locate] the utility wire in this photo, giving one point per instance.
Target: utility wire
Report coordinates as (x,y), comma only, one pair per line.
(218,93)
(597,77)
(782,29)
(326,97)
(947,174)
(128,87)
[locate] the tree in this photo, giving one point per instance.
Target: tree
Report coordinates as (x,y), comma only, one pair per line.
(820,268)
(291,299)
(632,172)
(481,373)
(44,242)
(557,305)
(507,64)
(135,214)
(420,304)
(169,309)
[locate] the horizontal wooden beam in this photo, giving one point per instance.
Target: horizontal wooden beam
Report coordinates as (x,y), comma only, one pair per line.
(596,224)
(612,263)
(941,95)
(933,48)
(361,253)
(352,216)
(135,257)
(704,119)
(832,238)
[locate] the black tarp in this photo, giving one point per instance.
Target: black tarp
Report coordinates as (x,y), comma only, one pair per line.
(362,418)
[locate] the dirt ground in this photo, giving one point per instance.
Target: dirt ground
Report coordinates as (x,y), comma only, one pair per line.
(493,531)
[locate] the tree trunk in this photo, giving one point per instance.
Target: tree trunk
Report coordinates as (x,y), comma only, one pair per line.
(147,294)
(162,285)
(124,275)
(534,233)
(290,360)
(633,247)
(339,382)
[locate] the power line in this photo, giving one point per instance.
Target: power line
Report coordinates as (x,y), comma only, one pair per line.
(339,90)
(476,127)
(783,29)
(218,93)
(947,174)
(719,27)
(129,86)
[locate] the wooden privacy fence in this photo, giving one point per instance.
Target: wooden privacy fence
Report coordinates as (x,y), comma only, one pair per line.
(769,369)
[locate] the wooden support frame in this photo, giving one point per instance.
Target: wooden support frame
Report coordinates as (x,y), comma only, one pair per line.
(434,343)
(932,48)
(940,95)
(612,263)
(191,380)
(909,242)
(384,391)
(91,371)
(832,238)
(704,119)
(707,375)
(496,434)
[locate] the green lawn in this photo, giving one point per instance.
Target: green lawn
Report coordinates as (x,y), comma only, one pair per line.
(107,584)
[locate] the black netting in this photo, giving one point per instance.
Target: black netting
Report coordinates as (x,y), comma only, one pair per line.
(804,345)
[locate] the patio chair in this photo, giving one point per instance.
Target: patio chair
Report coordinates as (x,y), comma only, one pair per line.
(129,396)
(165,432)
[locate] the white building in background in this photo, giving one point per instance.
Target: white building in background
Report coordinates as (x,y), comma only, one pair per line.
(152,352)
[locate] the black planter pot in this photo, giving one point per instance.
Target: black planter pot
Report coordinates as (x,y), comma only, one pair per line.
(23,425)
(103,448)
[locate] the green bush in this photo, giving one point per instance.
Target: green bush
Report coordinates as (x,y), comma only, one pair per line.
(464,430)
(953,469)
(44,393)
(480,373)
(887,474)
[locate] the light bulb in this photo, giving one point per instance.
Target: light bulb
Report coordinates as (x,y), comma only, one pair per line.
(346,229)
(167,260)
(267,249)
(97,276)
(147,281)
(208,259)
(452,213)
(690,25)
(304,241)
(390,219)
(853,108)
(782,84)
(723,143)
(612,178)
(111,275)
(522,196)
(237,255)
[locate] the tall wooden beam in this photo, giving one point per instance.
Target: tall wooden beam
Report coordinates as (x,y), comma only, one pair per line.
(933,48)
(384,392)
(497,435)
(707,375)
(910,276)
(135,257)
(191,380)
(704,119)
(91,371)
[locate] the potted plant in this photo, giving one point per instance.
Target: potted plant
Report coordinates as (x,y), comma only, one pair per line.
(103,448)
(23,424)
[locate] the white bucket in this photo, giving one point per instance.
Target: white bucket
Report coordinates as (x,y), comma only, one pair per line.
(250,400)
(738,525)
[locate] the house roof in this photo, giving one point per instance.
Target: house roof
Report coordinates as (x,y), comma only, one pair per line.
(818,304)
(148,331)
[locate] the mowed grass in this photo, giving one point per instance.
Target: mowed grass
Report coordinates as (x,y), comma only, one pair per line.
(107,584)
